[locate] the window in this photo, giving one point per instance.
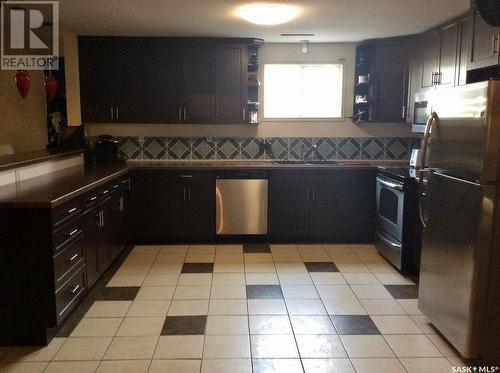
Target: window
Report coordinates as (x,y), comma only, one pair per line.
(303,91)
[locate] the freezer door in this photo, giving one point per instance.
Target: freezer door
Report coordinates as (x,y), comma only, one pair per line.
(454,260)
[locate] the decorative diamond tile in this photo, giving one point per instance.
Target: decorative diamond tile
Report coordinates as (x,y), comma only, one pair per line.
(277,148)
(202,149)
(372,148)
(349,148)
(228,148)
(130,148)
(252,148)
(179,148)
(298,147)
(155,148)
(416,143)
(398,148)
(327,147)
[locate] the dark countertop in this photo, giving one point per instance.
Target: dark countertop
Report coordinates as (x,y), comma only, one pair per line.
(55,188)
(8,162)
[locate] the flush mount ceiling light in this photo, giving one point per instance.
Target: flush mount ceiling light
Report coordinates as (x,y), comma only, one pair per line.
(268,14)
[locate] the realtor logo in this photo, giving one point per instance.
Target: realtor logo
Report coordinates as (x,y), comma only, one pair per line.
(30,35)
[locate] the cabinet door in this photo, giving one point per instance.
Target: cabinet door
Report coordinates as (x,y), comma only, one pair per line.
(448,54)
(289,212)
(90,221)
(201,198)
(231,75)
(198,83)
(105,235)
(465,39)
(130,94)
(342,208)
(485,44)
(430,57)
(390,82)
(173,213)
(144,210)
(98,77)
(162,78)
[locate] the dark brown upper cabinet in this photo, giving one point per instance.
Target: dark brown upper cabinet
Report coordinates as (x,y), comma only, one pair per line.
(485,44)
(429,49)
(380,81)
(198,83)
(164,80)
(448,54)
(465,45)
(231,77)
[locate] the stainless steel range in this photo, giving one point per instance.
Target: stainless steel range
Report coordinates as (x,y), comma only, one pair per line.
(397,226)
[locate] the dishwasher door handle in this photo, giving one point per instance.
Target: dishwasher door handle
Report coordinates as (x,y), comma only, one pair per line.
(219,212)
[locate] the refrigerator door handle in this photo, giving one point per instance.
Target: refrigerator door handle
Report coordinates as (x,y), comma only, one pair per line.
(433,118)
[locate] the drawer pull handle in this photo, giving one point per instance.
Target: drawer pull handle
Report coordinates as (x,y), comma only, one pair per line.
(105,192)
(73,257)
(92,199)
(70,211)
(72,233)
(75,289)
(116,186)
(186,176)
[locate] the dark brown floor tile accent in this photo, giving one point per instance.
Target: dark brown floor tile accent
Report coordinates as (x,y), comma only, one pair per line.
(256,248)
(321,267)
(184,325)
(264,292)
(403,291)
(118,293)
(355,325)
(197,268)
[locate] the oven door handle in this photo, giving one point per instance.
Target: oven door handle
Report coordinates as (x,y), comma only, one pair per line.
(389,241)
(389,184)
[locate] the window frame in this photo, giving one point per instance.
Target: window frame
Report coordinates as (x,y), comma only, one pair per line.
(342,117)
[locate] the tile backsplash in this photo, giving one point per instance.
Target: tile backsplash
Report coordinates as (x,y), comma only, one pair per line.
(274,148)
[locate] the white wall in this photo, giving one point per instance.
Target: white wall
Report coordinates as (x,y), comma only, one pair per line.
(275,53)
(70,45)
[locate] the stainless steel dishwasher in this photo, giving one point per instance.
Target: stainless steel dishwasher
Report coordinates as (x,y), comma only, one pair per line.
(241,203)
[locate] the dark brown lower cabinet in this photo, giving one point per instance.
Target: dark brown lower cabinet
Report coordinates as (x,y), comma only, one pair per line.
(322,206)
(90,226)
(173,206)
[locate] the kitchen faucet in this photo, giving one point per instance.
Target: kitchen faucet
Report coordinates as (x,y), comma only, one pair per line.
(313,149)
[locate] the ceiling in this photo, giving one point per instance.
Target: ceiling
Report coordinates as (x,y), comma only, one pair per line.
(329,20)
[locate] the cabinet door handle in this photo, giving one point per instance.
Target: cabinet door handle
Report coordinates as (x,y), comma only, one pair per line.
(184,191)
(313,194)
(72,233)
(112,113)
(308,193)
(70,211)
(117,113)
(187,176)
(189,194)
(185,114)
(92,199)
(102,217)
(495,44)
(244,114)
(73,257)
(75,289)
(180,113)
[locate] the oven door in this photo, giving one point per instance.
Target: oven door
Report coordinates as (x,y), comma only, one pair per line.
(390,201)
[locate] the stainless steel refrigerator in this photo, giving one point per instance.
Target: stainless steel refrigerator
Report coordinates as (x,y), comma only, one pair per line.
(459,286)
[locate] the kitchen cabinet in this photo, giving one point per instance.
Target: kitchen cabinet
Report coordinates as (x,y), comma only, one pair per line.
(429,49)
(322,206)
(448,54)
(380,92)
(163,80)
(198,83)
(289,205)
(91,222)
(174,206)
(465,43)
(485,43)
(231,77)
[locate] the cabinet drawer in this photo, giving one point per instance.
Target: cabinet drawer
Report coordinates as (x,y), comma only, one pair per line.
(68,296)
(67,260)
(66,211)
(188,176)
(67,233)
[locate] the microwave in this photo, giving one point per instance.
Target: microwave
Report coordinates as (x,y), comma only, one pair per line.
(420,116)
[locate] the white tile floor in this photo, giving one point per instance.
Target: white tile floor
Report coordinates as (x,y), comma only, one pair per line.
(288,325)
